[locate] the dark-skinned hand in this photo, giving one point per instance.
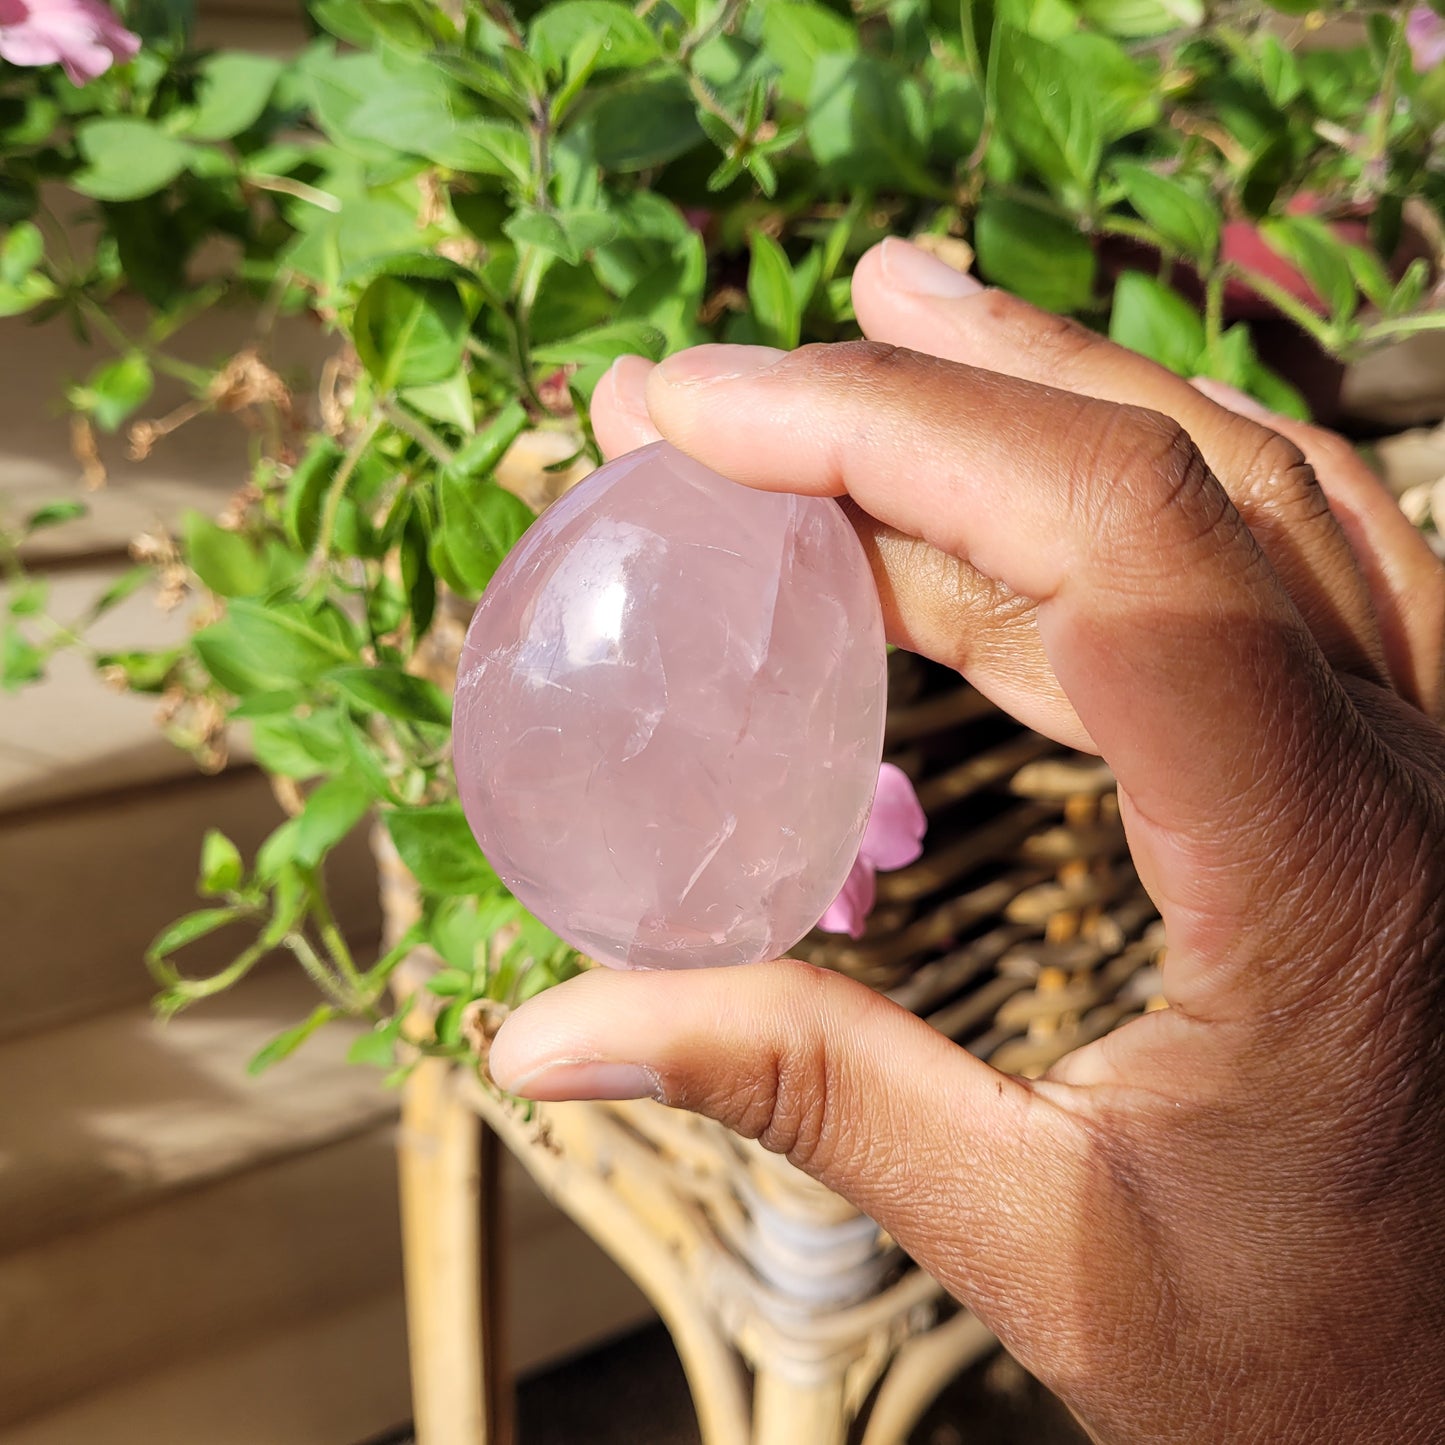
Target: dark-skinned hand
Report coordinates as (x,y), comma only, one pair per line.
(1224,1221)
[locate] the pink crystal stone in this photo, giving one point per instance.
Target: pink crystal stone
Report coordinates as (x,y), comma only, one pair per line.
(669,714)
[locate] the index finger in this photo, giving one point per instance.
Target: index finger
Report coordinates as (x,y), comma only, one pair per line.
(1165,625)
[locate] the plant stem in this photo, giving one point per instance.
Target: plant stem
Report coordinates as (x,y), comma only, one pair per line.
(418,431)
(286,186)
(1403,326)
(317,972)
(1214,311)
(336,491)
(336,945)
(1322,331)
(1125,226)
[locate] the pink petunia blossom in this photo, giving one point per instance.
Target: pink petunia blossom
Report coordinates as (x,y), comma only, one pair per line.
(892,839)
(82,35)
(1425,30)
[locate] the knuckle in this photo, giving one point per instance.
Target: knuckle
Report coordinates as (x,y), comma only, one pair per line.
(1275,481)
(1139,474)
(789,1102)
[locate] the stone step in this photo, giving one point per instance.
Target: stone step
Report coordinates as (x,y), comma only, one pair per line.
(161,1211)
(85,886)
(332,1380)
(197,1269)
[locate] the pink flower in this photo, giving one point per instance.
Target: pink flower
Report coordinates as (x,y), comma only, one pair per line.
(82,35)
(1425,30)
(892,839)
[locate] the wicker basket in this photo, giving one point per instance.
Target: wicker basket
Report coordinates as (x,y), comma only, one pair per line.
(1022,932)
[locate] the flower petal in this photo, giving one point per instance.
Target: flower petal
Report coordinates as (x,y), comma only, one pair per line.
(849,911)
(1425,31)
(894,835)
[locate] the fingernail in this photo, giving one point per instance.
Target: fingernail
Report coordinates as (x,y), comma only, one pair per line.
(583,1079)
(1231,398)
(718,362)
(627,380)
(911,268)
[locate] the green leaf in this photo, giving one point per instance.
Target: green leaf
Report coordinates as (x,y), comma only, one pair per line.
(437,847)
(1142,19)
(1046,113)
(1182,214)
(306,491)
(221,866)
(644,122)
(480,523)
(479,456)
(378,1047)
(297,746)
(1279,71)
(27,596)
(448,401)
(461,929)
(795,34)
(410,332)
(228,563)
(395,693)
(1321,257)
(188,929)
(623,41)
(1124,94)
(417,576)
(1034,254)
(604,344)
(332,810)
(54,514)
(22,251)
(21,662)
(266,649)
(569,235)
(143,672)
(114,390)
(235,88)
(867,122)
(1150,318)
(289,1040)
(484,148)
(126,158)
(1267,169)
(126,585)
(775,305)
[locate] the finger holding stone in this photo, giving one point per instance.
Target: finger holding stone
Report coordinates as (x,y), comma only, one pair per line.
(905,297)
(934,602)
(852,1089)
(1405,578)
(1185,658)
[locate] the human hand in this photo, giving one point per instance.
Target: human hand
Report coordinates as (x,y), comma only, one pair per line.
(1220,1222)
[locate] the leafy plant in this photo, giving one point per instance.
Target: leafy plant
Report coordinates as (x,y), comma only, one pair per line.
(488,204)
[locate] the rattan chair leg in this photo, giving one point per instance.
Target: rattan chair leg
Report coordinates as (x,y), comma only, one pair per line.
(790,1409)
(561,1159)
(921,1368)
(441,1203)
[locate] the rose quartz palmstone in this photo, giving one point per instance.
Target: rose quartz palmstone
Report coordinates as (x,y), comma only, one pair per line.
(669,714)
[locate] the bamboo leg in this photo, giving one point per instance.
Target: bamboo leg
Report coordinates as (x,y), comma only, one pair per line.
(441,1203)
(498,1395)
(921,1369)
(797,1411)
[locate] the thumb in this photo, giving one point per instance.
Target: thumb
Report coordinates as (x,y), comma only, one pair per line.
(970,1170)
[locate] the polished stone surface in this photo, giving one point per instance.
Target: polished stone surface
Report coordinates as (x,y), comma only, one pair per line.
(669,714)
